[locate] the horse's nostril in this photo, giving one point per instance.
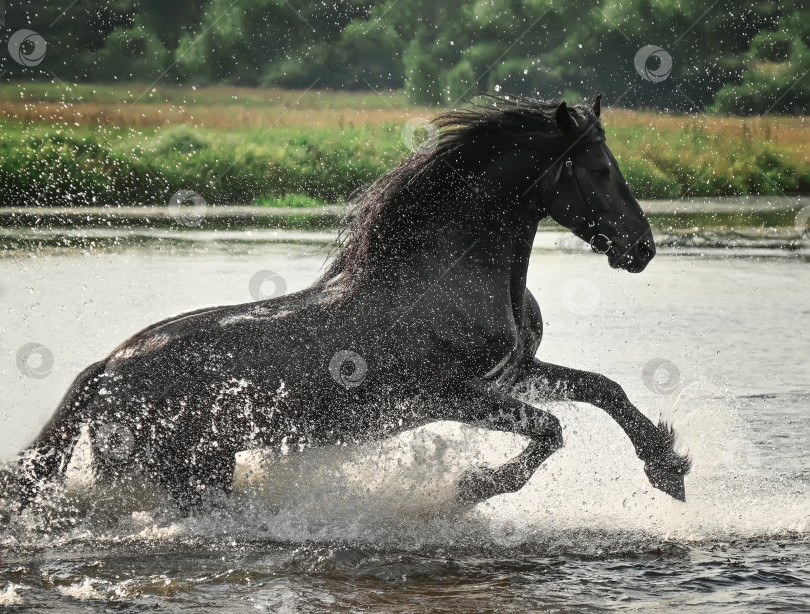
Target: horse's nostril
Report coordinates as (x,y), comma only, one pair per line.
(646,250)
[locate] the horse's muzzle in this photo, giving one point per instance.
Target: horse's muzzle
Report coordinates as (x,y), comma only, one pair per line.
(635,259)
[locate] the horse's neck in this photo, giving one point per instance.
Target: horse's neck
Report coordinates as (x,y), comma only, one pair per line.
(478,268)
(523,242)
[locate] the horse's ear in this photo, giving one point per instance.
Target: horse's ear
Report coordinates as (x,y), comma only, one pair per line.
(596,107)
(564,120)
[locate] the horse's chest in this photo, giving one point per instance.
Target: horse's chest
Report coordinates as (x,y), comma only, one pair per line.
(487,340)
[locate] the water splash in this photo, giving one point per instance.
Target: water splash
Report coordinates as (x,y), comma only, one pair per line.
(590,497)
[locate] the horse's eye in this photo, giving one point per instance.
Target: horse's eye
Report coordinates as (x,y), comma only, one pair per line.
(602,174)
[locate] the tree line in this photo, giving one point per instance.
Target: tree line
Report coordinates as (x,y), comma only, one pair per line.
(668,54)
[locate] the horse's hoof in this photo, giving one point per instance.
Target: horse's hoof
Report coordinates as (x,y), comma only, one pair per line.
(476,485)
(667,478)
(664,467)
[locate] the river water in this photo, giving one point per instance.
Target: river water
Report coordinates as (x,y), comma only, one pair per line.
(714,340)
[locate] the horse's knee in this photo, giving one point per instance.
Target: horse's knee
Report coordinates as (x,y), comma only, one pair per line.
(607,389)
(550,432)
(555,434)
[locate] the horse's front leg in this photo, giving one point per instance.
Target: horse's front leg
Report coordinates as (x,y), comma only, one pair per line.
(479,404)
(653,444)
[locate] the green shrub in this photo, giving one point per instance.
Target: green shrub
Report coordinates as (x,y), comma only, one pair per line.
(647,180)
(459,83)
(182,139)
(134,53)
(298,166)
(422,75)
(289,200)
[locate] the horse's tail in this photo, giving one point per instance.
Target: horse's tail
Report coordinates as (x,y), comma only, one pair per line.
(50,452)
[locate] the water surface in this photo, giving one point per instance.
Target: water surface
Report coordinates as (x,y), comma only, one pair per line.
(376,527)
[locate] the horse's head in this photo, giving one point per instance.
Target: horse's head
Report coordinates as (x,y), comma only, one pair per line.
(501,165)
(585,192)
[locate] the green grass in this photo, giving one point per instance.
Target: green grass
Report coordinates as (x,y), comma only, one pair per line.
(697,162)
(77,166)
(294,201)
(290,149)
(112,94)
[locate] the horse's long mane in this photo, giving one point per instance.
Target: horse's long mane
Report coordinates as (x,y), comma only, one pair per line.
(384,215)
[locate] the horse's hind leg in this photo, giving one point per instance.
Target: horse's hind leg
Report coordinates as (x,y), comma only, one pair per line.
(485,482)
(501,412)
(191,476)
(50,452)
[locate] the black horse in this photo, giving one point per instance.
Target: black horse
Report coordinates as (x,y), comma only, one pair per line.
(422,316)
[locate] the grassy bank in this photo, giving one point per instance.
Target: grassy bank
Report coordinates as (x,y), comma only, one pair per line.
(97,145)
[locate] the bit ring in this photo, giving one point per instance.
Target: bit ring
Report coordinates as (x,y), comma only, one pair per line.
(607,242)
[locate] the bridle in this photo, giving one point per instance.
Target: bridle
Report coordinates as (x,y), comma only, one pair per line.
(600,243)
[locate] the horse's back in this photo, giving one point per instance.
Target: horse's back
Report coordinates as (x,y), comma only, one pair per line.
(206,332)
